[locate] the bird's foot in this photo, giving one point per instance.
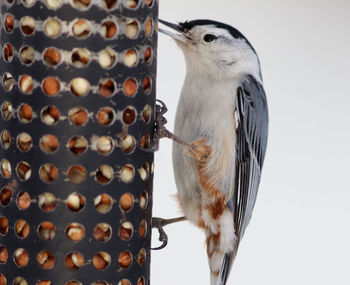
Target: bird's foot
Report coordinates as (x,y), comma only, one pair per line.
(159,223)
(160,131)
(199,150)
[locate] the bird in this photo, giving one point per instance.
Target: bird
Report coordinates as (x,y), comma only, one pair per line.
(221,132)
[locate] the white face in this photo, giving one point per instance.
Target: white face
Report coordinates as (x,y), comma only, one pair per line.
(213,51)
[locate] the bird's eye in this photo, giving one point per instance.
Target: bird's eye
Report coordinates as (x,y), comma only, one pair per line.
(209,38)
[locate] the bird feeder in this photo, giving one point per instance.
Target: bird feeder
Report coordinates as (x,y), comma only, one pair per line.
(77,97)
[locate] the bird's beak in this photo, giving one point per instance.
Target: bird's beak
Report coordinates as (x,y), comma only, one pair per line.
(178,36)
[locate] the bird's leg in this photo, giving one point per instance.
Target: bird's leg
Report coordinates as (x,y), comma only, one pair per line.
(199,150)
(160,131)
(159,223)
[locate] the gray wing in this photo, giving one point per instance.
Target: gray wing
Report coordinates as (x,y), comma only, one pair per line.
(250,150)
(250,153)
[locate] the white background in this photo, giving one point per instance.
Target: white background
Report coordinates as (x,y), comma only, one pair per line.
(300,230)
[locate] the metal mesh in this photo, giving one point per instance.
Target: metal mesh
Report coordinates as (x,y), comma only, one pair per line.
(77,97)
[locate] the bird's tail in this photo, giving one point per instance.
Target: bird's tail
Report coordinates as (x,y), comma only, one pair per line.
(225,269)
(220,277)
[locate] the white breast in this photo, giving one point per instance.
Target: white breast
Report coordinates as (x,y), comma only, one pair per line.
(205,110)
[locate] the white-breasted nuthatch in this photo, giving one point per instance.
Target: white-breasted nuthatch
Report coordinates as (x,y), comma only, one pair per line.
(223,113)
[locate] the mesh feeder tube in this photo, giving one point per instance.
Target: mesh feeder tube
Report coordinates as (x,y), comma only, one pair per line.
(77,98)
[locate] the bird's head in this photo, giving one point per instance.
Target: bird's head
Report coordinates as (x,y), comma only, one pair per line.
(214,49)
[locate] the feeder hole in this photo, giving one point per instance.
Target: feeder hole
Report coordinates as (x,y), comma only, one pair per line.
(80,57)
(78,116)
(141,281)
(19,280)
(26,84)
(4,225)
(144,171)
(74,261)
(25,113)
(50,115)
(149,27)
(130,58)
(102,232)
(106,116)
(52,56)
(22,229)
(148,55)
(48,172)
(81,4)
(128,144)
(101,260)
(106,87)
(24,170)
(47,231)
(126,201)
(52,28)
(129,115)
(130,87)
(23,200)
(103,203)
(132,29)
(8,52)
(107,58)
(126,230)
(51,86)
(21,257)
(47,202)
(141,256)
(7,110)
(124,282)
(127,173)
(104,174)
(48,143)
(142,229)
(143,200)
(9,23)
(46,259)
(26,55)
(108,29)
(27,25)
(5,139)
(75,202)
(76,174)
(75,232)
(109,4)
(6,170)
(125,259)
(146,114)
(53,4)
(24,142)
(147,85)
(77,145)
(79,86)
(3,254)
(105,145)
(5,196)
(8,81)
(132,4)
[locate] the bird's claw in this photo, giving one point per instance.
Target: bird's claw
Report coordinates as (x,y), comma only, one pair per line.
(159,224)
(159,130)
(162,108)
(163,237)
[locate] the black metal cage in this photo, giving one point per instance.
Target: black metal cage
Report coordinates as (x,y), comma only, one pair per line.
(77,98)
